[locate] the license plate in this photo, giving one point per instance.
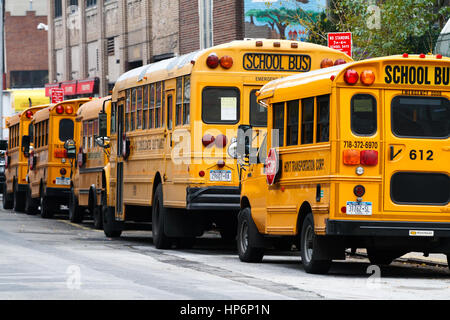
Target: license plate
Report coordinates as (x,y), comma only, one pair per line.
(359,208)
(63,181)
(220,175)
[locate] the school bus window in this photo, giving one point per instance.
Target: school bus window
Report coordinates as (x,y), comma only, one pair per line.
(46,132)
(363,114)
(65,129)
(425,117)
(151,111)
(307,121)
(158,105)
(85,134)
(186,99)
(163,101)
(262,152)
(292,123)
(113,117)
(278,124)
(133,109)
(139,108)
(145,107)
(30,132)
(127,110)
(169,112)
(96,128)
(323,118)
(258,114)
(179,104)
(220,105)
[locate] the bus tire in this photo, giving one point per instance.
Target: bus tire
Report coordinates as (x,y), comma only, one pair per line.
(31,205)
(7,199)
(75,211)
(18,199)
(111,227)
(98,217)
(185,243)
(245,236)
(448,260)
(46,211)
(382,257)
(308,245)
(160,240)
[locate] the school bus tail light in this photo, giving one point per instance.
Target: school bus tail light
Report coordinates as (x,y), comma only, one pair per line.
(59,109)
(369,157)
(29,114)
(226,62)
(325,63)
(212,61)
(208,140)
(69,109)
(368,77)
(359,190)
(351,157)
(351,76)
(339,61)
(221,141)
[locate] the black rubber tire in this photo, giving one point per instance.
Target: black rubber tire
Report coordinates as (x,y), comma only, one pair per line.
(382,257)
(45,209)
(31,205)
(246,252)
(7,199)
(97,213)
(18,199)
(448,260)
(76,213)
(309,243)
(185,243)
(160,240)
(111,227)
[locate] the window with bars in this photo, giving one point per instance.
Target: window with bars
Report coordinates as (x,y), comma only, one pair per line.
(91,3)
(58,8)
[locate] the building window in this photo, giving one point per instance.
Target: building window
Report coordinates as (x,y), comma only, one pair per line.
(28,79)
(73,2)
(110,46)
(91,3)
(58,8)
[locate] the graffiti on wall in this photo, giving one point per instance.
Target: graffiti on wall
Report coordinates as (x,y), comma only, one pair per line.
(279,19)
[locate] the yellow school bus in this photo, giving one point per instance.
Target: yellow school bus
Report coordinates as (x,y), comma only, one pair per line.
(356,156)
(16,187)
(89,186)
(49,167)
(173,134)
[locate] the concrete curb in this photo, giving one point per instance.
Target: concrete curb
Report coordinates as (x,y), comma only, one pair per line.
(432,260)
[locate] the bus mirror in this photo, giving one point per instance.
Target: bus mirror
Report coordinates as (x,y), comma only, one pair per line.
(26,145)
(71,149)
(4,145)
(244,140)
(102,142)
(102,124)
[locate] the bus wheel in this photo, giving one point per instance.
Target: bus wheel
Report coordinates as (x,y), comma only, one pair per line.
(98,218)
(247,252)
(31,207)
(185,243)
(382,257)
(111,227)
(18,199)
(7,199)
(308,245)
(75,211)
(448,260)
(46,213)
(160,240)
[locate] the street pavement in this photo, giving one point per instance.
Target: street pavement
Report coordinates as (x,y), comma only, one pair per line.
(56,259)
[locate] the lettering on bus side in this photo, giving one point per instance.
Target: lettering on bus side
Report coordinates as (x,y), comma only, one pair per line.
(304,165)
(438,76)
(277,62)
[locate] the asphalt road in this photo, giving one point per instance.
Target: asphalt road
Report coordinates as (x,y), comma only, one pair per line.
(55,259)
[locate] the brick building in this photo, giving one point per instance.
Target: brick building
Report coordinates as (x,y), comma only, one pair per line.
(26,54)
(95,41)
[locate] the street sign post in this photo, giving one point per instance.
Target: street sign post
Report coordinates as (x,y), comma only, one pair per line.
(341,41)
(57,95)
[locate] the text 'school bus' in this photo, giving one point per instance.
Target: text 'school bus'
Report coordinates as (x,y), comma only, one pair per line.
(362,162)
(91,169)
(16,159)
(174,130)
(49,167)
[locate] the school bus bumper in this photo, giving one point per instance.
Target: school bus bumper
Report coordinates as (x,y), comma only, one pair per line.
(213,198)
(388,228)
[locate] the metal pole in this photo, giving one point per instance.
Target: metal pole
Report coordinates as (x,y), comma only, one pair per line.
(1,69)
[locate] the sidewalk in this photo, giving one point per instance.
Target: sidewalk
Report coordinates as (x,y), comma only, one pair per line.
(417,257)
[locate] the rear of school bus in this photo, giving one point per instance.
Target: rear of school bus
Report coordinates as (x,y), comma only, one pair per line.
(16,183)
(392,187)
(88,181)
(198,173)
(49,168)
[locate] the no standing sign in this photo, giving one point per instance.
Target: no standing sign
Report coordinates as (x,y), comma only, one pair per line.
(341,41)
